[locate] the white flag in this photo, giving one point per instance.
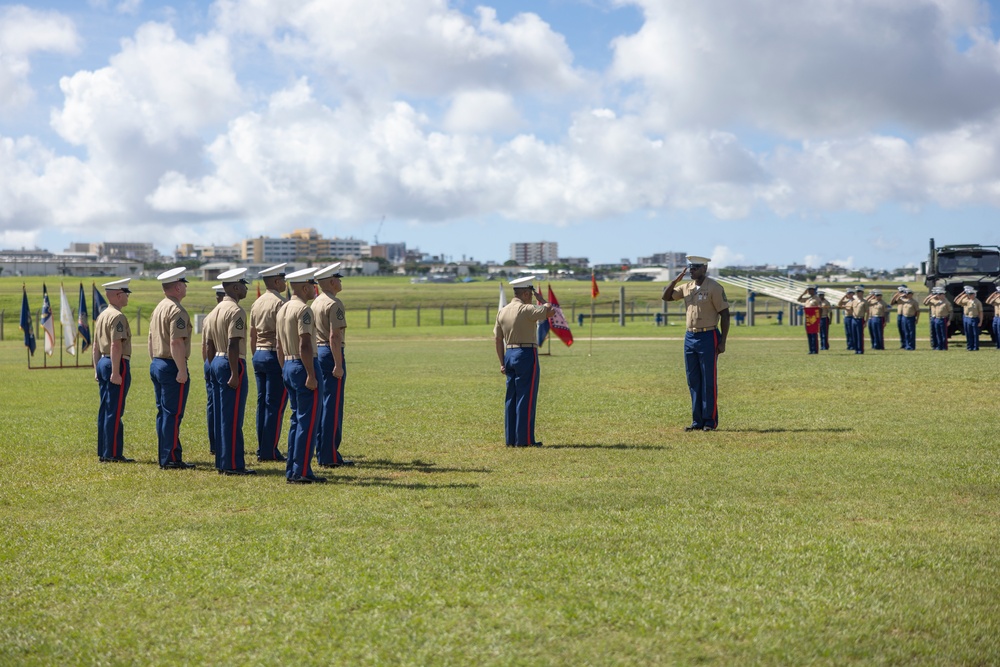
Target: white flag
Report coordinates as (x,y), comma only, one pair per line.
(503,298)
(68,322)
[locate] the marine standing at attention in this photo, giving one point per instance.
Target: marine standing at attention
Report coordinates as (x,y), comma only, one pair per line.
(300,369)
(941,311)
(271,393)
(331,323)
(847,304)
(809,299)
(169,350)
(113,371)
(514,335)
(228,346)
(211,414)
(972,317)
(824,320)
(707,308)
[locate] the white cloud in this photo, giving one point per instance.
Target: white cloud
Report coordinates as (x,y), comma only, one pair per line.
(482,111)
(23,32)
(129,7)
(813,261)
(724,256)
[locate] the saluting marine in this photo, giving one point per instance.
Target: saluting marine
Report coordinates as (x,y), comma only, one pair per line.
(809,299)
(707,308)
(894,301)
(169,350)
(972,317)
(877,317)
(113,372)
(272,396)
(847,304)
(228,346)
(331,323)
(211,414)
(824,320)
(300,369)
(514,336)
(860,316)
(941,311)
(909,317)
(994,300)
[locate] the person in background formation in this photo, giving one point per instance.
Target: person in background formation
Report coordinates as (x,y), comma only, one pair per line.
(113,372)
(909,316)
(227,346)
(826,308)
(271,392)
(860,316)
(877,312)
(300,369)
(514,338)
(894,301)
(169,350)
(994,300)
(809,299)
(707,308)
(211,414)
(847,304)
(331,322)
(941,311)
(972,317)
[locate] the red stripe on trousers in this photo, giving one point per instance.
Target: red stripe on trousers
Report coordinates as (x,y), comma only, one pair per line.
(177,421)
(531,399)
(715,381)
(118,414)
(236,412)
(336,415)
(312,423)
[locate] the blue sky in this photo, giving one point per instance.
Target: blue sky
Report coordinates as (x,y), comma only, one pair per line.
(753,132)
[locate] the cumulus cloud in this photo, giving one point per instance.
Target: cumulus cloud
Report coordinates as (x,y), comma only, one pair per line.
(812,69)
(482,111)
(726,256)
(23,32)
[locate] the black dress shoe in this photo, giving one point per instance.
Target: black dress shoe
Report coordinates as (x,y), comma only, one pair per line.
(535,444)
(240,471)
(316,479)
(118,459)
(708,428)
(176,465)
(343,462)
(692,427)
(327,465)
(297,479)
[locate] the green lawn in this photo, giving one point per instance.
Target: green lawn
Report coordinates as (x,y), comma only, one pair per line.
(848,512)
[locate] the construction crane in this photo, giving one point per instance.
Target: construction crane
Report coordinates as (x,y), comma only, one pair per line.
(380,222)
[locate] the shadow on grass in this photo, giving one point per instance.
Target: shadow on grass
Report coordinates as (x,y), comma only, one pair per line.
(388,483)
(785,430)
(600,446)
(413,466)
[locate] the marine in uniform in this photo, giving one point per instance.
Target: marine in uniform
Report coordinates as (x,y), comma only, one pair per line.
(169,349)
(211,415)
(112,350)
(331,322)
(972,317)
(895,301)
(272,396)
(809,299)
(909,316)
(227,346)
(847,304)
(994,300)
(707,308)
(877,317)
(824,320)
(941,310)
(300,369)
(514,335)
(860,315)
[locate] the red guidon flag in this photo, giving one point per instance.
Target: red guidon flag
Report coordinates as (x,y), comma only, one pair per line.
(812,320)
(558,321)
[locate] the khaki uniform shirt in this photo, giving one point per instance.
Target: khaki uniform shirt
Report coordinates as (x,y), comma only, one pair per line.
(811,302)
(972,308)
(516,322)
(703,304)
(940,307)
(860,309)
(908,307)
(112,325)
(826,308)
(878,309)
(264,318)
(206,328)
(295,319)
(169,321)
(230,322)
(329,311)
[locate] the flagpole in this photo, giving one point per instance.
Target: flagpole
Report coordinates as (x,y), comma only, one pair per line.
(591,353)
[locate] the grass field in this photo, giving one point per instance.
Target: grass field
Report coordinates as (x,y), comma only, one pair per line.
(847,512)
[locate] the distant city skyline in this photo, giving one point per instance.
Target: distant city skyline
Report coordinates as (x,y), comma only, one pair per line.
(614,128)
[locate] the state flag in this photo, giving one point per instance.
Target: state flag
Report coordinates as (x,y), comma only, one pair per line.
(26,325)
(558,321)
(82,323)
(48,326)
(99,303)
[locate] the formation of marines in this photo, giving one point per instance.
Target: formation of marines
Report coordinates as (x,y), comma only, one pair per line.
(298,359)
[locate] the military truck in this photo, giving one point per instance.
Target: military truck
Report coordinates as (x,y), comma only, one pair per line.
(955,266)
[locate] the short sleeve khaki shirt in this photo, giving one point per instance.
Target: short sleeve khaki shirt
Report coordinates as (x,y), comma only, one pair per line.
(941,307)
(329,312)
(264,318)
(972,307)
(515,322)
(169,321)
(295,319)
(230,322)
(112,325)
(860,308)
(908,307)
(703,303)
(878,309)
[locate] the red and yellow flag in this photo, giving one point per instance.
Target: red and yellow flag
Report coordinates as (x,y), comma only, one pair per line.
(593,286)
(812,320)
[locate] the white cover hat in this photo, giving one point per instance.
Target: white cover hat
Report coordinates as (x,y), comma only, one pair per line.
(276,270)
(173,276)
(233,276)
(522,283)
(219,288)
(301,276)
(332,271)
(695,260)
(118,284)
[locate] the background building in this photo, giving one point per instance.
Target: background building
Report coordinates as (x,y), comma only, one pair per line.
(301,244)
(539,252)
(139,252)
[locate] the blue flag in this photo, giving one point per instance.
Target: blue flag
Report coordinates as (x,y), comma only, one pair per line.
(47,324)
(81,324)
(99,303)
(26,326)
(543,331)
